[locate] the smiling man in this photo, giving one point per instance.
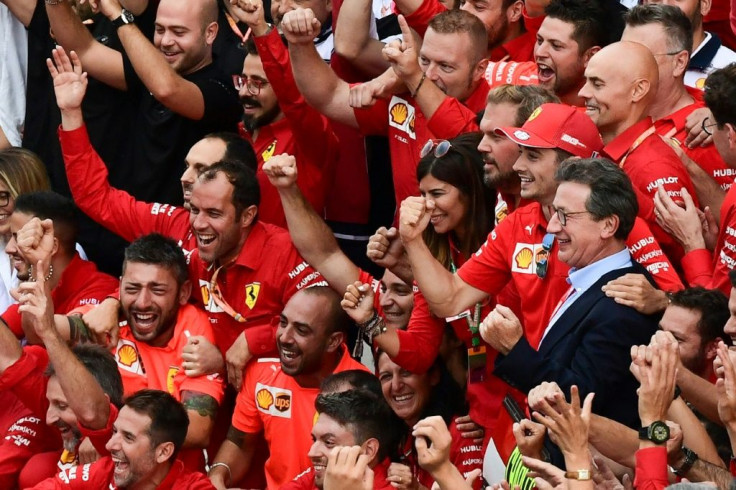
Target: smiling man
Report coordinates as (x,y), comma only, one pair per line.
(588,337)
(277,398)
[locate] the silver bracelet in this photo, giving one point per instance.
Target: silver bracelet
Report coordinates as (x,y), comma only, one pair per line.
(226,466)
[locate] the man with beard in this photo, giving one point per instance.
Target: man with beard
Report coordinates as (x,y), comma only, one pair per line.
(708,53)
(277,398)
(32,381)
(507,106)
(277,119)
(74,282)
(571,32)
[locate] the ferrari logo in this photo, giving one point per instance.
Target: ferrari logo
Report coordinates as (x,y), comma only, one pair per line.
(251,294)
(268,152)
(173,370)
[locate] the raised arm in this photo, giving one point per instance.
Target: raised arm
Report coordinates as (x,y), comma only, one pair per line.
(321,87)
(444,291)
(86,398)
(311,235)
(103,63)
(353,39)
(159,77)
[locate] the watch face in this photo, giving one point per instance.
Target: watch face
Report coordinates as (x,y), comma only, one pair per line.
(659,432)
(127,17)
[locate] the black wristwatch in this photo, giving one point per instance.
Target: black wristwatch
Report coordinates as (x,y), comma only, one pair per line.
(690,458)
(125,18)
(658,432)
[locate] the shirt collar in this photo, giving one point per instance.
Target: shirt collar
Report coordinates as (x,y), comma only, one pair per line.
(703,56)
(583,279)
(618,147)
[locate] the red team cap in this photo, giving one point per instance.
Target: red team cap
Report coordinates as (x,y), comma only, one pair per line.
(558,126)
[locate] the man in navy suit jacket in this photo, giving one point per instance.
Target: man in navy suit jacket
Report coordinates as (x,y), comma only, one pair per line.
(588,339)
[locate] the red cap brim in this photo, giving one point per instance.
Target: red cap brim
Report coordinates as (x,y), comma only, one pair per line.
(523,137)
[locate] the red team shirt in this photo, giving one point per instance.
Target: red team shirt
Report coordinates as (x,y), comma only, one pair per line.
(305,480)
(80,284)
(711,271)
(408,130)
(303,132)
(273,403)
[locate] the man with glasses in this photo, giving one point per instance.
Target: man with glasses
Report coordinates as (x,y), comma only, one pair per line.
(277,119)
(667,32)
(587,339)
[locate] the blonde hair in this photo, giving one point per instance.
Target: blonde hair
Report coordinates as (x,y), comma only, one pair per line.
(22,171)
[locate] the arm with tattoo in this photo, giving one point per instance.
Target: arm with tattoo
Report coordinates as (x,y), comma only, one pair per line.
(202,410)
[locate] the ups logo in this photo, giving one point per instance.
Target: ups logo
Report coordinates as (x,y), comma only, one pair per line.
(282,402)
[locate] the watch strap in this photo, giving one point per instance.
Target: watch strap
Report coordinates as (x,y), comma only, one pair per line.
(125,18)
(690,458)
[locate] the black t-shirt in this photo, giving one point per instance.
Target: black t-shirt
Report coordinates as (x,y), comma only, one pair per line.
(160,139)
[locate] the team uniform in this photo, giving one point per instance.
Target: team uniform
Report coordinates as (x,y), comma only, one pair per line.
(650,163)
(114,209)
(302,131)
(711,271)
(512,73)
(273,403)
(305,480)
(408,130)
(706,157)
(465,455)
(100,475)
(267,272)
(80,284)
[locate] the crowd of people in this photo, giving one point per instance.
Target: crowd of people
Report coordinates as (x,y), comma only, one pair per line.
(416,244)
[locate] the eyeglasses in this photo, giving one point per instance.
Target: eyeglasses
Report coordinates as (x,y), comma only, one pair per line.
(253,85)
(4,198)
(705,126)
(543,255)
(671,53)
(563,215)
(440,149)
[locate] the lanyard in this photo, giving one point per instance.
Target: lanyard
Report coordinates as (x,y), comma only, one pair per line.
(234,26)
(636,144)
(474,322)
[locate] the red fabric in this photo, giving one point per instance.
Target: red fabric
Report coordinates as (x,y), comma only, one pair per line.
(707,157)
(272,402)
(303,132)
(144,366)
(271,270)
(419,19)
(651,468)
(100,475)
(465,455)
(711,271)
(114,209)
(24,434)
(652,164)
(520,48)
(80,284)
(408,130)
(511,72)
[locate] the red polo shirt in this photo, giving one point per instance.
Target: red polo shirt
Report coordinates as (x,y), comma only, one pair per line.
(266,273)
(408,131)
(114,209)
(303,132)
(305,480)
(650,163)
(100,475)
(706,157)
(711,271)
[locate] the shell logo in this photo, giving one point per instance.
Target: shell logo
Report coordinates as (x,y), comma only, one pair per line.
(264,398)
(399,112)
(524,258)
(534,114)
(700,83)
(127,355)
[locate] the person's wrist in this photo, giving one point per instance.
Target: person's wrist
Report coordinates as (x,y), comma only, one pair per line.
(260,28)
(116,12)
(693,243)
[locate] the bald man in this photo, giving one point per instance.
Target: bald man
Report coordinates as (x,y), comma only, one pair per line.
(182,95)
(621,83)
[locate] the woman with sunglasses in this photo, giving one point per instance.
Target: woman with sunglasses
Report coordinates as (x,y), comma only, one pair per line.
(21,171)
(413,397)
